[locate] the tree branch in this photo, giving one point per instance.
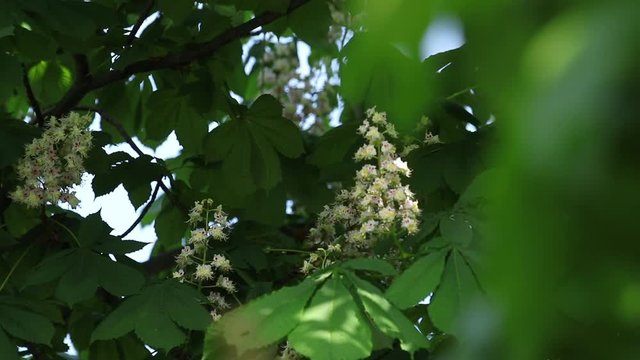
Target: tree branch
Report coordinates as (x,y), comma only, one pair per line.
(167,259)
(136,27)
(193,53)
(32,98)
(144,210)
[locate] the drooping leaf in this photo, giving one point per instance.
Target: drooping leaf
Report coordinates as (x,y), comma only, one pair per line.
(267,319)
(334,145)
(24,324)
(135,174)
(8,350)
(417,281)
(81,271)
(311,22)
(250,146)
(266,114)
(371,264)
(456,229)
(457,289)
(215,347)
(332,326)
(388,318)
(155,314)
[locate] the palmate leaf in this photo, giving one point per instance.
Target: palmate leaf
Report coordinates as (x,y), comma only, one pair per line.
(135,174)
(156,316)
(371,264)
(8,350)
(457,289)
(387,317)
(268,319)
(13,136)
(456,229)
(332,326)
(81,271)
(417,281)
(23,324)
(249,146)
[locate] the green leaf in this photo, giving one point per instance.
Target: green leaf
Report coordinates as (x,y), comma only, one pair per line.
(182,307)
(8,350)
(170,227)
(32,45)
(457,288)
(266,114)
(162,115)
(177,10)
(25,324)
(10,74)
(154,315)
(220,141)
(14,135)
(20,219)
(371,264)
(334,145)
(81,271)
(237,166)
(215,347)
(120,321)
(50,80)
(311,22)
(332,326)
(376,72)
(417,281)
(456,229)
(117,278)
(388,318)
(80,280)
(135,174)
(157,330)
(268,172)
(267,319)
(191,129)
(116,246)
(248,146)
(51,268)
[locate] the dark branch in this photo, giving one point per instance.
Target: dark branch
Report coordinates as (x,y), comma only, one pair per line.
(136,27)
(193,53)
(145,210)
(121,130)
(32,98)
(161,262)
(166,260)
(82,67)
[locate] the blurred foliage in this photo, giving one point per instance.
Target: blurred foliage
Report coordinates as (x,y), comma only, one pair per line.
(528,179)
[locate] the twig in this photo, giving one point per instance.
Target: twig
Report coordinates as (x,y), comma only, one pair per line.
(192,53)
(32,98)
(161,261)
(136,27)
(144,210)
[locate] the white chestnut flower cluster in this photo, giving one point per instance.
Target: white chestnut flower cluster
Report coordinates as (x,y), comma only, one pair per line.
(198,265)
(304,97)
(377,205)
(53,163)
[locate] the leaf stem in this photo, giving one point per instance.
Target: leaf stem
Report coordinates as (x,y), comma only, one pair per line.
(15,266)
(269,249)
(73,236)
